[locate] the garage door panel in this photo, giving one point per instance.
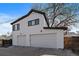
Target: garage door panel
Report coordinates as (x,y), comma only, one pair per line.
(44,40)
(21,40)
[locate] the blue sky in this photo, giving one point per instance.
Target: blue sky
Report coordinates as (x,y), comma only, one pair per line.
(15,9)
(10,12)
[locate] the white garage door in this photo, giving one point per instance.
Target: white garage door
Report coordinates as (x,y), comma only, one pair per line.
(44,40)
(21,40)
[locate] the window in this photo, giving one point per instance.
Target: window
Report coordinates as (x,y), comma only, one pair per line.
(29,23)
(13,28)
(33,22)
(18,26)
(36,21)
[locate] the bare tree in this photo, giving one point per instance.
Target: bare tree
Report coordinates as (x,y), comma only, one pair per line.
(65,13)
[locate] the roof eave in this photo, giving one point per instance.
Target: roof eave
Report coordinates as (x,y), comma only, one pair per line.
(63,28)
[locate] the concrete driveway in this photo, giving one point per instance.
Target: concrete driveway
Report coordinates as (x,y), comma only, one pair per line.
(27,51)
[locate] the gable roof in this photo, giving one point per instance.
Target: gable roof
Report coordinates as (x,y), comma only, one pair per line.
(32,10)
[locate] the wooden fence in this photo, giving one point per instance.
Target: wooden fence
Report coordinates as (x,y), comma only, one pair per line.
(71,42)
(5,43)
(67,42)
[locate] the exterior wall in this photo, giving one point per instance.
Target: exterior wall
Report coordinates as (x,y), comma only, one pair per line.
(27,30)
(37,29)
(60,39)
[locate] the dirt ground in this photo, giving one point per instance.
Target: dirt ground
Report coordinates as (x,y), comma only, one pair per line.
(27,51)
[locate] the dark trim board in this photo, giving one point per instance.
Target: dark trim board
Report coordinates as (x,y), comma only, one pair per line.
(32,10)
(64,28)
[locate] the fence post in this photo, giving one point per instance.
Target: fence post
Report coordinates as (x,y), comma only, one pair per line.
(10,42)
(2,42)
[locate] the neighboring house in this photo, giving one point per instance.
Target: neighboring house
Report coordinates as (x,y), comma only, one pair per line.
(32,30)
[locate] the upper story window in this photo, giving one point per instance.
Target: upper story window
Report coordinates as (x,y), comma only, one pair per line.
(16,27)
(33,22)
(13,27)
(36,21)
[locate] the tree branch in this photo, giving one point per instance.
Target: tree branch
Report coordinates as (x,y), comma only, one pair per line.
(67,19)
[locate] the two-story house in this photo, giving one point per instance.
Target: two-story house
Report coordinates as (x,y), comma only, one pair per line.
(33,30)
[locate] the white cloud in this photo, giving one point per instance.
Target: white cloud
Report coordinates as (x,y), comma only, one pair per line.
(74,29)
(5,21)
(4,28)
(5,18)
